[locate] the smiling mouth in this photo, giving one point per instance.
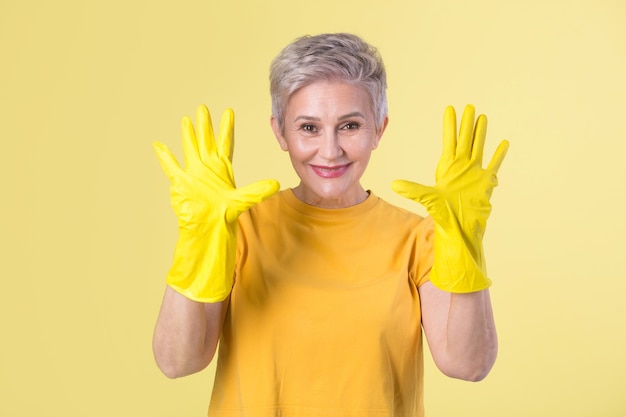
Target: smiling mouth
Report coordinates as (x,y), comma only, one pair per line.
(330,172)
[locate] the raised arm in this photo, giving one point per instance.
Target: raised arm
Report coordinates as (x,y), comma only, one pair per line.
(456,309)
(186,334)
(207,204)
(460,330)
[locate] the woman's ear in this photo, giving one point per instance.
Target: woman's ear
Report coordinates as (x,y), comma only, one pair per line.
(379,133)
(279,135)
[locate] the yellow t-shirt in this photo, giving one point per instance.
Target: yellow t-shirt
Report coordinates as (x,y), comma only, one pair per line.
(324,317)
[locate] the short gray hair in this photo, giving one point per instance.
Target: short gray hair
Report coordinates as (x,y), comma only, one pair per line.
(331,57)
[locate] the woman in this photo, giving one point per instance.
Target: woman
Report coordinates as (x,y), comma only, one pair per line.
(332,285)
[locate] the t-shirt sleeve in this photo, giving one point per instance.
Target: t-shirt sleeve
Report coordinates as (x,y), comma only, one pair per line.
(424,245)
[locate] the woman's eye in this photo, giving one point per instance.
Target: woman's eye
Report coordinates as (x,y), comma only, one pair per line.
(350,126)
(308,128)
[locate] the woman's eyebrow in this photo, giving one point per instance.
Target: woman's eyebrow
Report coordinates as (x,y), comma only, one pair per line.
(350,115)
(304,117)
(317,119)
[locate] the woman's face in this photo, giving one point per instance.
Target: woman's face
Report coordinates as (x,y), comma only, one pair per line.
(330,134)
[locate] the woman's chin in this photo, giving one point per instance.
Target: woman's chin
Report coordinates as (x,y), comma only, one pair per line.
(330,196)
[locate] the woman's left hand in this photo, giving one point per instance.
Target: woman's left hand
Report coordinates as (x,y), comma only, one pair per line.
(459,203)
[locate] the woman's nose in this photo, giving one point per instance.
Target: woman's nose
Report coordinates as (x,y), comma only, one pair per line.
(330,147)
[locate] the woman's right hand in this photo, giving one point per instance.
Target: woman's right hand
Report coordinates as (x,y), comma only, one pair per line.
(207,203)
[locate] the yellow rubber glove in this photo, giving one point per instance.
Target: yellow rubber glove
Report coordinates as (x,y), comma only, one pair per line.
(459,203)
(207,203)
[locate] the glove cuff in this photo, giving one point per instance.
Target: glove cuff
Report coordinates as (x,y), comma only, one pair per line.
(459,263)
(204,263)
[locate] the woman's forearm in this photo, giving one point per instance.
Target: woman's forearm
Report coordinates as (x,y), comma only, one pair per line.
(186,334)
(471,340)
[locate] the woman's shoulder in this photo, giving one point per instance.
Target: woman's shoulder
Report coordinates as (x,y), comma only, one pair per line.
(267,207)
(399,213)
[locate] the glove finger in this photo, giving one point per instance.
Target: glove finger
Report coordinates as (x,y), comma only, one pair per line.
(248,196)
(167,160)
(190,144)
(206,138)
(227,134)
(449,134)
(466,133)
(412,190)
(498,157)
(480,134)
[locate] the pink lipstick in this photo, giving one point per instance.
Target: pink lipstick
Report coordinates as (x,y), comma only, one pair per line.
(330,172)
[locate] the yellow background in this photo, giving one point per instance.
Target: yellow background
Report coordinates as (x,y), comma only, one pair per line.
(87,232)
